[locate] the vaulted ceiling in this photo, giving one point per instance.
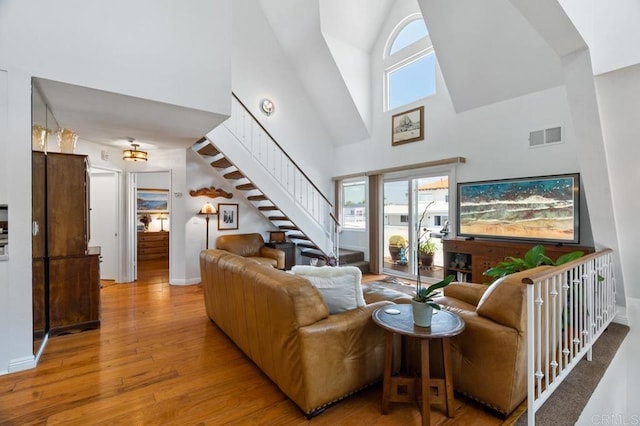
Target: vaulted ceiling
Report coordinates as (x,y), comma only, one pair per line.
(488,52)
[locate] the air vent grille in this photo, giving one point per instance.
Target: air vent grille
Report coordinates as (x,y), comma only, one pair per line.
(548,136)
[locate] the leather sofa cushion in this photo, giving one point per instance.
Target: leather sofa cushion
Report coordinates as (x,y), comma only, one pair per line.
(246,245)
(470,293)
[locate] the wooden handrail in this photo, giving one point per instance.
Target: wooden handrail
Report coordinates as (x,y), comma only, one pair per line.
(551,272)
(280,147)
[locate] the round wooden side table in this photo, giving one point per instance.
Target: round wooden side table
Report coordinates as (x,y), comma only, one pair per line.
(444,325)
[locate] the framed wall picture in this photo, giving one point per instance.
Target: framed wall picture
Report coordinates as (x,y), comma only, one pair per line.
(152,200)
(227,216)
(407,126)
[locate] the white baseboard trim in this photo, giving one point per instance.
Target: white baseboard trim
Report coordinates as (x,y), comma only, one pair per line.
(20,364)
(621,315)
(186,281)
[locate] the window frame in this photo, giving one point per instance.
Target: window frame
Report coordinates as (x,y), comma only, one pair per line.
(365,215)
(403,57)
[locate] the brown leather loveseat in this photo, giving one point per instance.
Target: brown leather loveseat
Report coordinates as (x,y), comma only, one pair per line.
(252,246)
(281,322)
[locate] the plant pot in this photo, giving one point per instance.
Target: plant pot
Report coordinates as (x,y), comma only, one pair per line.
(426,259)
(394,251)
(422,313)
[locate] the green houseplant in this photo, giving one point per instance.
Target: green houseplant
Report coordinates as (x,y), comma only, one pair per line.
(426,250)
(423,304)
(534,257)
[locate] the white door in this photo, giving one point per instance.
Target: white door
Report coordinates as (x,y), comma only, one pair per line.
(104,220)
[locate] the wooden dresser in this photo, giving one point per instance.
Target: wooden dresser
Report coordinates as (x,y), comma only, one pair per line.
(153,245)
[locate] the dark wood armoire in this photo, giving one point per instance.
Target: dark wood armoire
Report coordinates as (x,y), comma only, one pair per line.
(66,272)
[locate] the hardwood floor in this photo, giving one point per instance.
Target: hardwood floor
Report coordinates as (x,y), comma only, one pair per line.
(157,359)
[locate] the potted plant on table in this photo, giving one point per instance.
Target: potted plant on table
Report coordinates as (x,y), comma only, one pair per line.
(423,303)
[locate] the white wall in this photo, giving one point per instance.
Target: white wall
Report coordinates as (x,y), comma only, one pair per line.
(260,70)
(619,101)
(123,47)
(610,29)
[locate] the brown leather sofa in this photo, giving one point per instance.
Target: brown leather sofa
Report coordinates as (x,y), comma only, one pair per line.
(489,357)
(280,321)
(252,246)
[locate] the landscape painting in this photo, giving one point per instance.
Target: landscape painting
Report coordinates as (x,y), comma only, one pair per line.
(152,200)
(407,126)
(540,208)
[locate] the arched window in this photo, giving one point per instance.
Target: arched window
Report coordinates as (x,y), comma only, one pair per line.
(409,63)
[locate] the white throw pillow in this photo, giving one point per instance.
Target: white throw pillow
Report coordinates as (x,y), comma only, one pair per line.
(340,286)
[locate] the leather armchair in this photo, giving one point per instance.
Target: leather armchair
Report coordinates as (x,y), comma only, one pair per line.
(251,246)
(489,357)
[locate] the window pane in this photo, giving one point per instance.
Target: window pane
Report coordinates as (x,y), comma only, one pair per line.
(353,208)
(413,81)
(412,32)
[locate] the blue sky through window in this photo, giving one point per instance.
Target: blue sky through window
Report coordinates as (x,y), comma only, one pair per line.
(412,32)
(412,82)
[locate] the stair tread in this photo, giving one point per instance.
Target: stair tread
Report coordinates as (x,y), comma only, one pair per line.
(246,187)
(267,208)
(298,237)
(222,163)
(278,218)
(208,150)
(236,174)
(289,227)
(260,197)
(303,245)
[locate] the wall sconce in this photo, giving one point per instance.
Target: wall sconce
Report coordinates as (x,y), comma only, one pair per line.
(207,210)
(162,217)
(267,107)
(134,154)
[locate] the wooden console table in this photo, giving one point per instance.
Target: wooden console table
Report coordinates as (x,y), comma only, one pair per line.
(444,325)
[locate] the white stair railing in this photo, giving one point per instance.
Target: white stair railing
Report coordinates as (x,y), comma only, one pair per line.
(568,307)
(263,151)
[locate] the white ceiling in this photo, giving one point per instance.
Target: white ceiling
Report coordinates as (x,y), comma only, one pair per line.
(111,119)
(488,52)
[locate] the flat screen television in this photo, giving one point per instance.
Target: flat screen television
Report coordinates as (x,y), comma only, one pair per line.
(544,208)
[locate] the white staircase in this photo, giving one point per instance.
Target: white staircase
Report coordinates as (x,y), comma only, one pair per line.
(243,151)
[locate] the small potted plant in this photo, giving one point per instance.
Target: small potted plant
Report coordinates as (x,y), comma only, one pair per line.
(396,243)
(423,304)
(426,250)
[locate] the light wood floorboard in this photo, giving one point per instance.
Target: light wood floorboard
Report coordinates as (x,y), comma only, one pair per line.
(158,360)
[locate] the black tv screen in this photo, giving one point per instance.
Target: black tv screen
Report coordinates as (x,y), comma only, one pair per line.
(545,208)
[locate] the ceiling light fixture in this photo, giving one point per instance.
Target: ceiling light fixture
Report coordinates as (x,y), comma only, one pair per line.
(134,154)
(267,107)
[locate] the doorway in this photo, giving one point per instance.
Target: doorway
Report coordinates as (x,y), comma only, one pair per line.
(411,203)
(105,219)
(151,219)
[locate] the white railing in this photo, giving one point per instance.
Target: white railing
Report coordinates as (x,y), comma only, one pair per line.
(568,307)
(268,154)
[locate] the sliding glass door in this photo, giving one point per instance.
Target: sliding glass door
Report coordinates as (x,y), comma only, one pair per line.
(415,214)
